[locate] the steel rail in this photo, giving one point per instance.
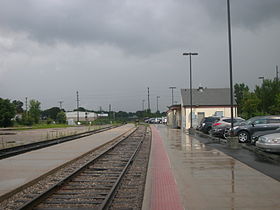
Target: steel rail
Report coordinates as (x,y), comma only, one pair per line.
(9,152)
(39,198)
(110,195)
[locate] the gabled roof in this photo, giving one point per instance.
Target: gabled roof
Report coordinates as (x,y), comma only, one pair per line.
(207,97)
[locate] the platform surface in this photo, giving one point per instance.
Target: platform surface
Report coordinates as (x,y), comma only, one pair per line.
(186,174)
(21,169)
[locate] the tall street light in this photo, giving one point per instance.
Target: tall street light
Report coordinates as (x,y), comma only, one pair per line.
(172,98)
(190,54)
(230,63)
(262,78)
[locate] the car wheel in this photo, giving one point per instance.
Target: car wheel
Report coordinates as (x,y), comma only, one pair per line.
(243,136)
(208,129)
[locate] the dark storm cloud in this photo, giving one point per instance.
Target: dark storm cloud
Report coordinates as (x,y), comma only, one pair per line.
(86,42)
(245,13)
(126,24)
(134,26)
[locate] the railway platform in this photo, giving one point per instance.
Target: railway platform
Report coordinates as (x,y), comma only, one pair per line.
(20,170)
(187,174)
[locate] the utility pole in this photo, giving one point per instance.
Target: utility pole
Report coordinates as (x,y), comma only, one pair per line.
(143,105)
(26,107)
(277,73)
(157,103)
(26,104)
(172,98)
(78,106)
(109,111)
(149,108)
(60,104)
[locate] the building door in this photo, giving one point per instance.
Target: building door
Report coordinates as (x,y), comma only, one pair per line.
(200,116)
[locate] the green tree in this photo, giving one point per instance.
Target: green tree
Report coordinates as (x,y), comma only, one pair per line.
(34,110)
(240,90)
(61,117)
(80,109)
(275,108)
(51,113)
(7,112)
(26,119)
(251,106)
(18,106)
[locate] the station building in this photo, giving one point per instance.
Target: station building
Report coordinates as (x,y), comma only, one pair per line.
(205,102)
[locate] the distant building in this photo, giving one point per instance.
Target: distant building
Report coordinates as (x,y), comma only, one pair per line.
(83,116)
(102,115)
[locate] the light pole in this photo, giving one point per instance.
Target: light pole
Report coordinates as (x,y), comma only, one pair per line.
(262,78)
(172,98)
(277,73)
(190,54)
(143,105)
(230,63)
(157,103)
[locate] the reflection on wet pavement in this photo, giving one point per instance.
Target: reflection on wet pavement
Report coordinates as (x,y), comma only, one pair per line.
(209,179)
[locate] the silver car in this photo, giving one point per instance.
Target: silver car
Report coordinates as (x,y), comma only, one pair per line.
(269,142)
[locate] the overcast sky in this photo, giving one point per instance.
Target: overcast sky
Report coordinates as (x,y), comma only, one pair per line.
(112,50)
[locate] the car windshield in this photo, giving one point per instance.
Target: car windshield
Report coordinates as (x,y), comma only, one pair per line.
(250,121)
(212,119)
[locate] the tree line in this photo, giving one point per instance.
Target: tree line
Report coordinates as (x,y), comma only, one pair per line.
(12,112)
(263,100)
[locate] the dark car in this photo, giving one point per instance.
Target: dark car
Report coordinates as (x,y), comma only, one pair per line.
(219,127)
(206,123)
(246,130)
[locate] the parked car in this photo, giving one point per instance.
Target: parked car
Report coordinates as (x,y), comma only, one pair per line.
(256,135)
(246,129)
(206,123)
(269,142)
(218,128)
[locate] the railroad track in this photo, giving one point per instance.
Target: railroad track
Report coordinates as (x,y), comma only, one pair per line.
(95,184)
(9,152)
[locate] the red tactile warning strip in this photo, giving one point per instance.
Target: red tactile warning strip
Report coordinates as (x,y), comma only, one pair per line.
(165,194)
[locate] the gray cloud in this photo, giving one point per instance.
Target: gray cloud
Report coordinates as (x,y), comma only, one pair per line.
(111,51)
(134,26)
(249,14)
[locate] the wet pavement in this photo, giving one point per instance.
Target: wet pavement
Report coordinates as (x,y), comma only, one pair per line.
(209,179)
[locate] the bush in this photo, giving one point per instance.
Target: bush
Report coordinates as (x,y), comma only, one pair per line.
(7,112)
